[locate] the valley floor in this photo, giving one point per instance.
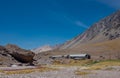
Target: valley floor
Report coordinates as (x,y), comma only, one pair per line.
(75,69)
(69,72)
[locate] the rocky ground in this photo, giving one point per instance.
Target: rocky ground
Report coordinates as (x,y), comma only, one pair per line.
(12,54)
(68,72)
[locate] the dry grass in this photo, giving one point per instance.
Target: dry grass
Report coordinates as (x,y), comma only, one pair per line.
(77,72)
(57,62)
(107,49)
(27,71)
(112,44)
(103,64)
(73,62)
(90,64)
(80,62)
(95,67)
(109,44)
(110,68)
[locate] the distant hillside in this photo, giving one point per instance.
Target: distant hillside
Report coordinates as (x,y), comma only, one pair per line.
(108,49)
(99,51)
(42,49)
(101,41)
(106,29)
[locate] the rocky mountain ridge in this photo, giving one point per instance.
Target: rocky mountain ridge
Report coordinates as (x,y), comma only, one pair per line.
(106,29)
(101,41)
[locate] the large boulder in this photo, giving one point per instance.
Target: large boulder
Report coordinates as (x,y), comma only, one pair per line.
(21,55)
(5,58)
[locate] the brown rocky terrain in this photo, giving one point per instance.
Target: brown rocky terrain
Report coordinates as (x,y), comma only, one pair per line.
(5,57)
(101,41)
(19,54)
(12,54)
(106,29)
(104,50)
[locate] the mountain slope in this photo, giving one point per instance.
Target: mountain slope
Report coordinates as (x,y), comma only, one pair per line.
(106,29)
(42,49)
(109,49)
(101,41)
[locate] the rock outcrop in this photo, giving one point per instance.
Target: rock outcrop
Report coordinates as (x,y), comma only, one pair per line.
(5,57)
(21,55)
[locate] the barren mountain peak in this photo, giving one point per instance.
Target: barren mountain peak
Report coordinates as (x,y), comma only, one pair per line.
(106,29)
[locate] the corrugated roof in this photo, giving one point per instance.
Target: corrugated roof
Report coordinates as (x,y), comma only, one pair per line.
(75,55)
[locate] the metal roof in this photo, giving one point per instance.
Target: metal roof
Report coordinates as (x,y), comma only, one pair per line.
(80,55)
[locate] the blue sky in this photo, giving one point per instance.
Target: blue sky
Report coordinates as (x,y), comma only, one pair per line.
(33,23)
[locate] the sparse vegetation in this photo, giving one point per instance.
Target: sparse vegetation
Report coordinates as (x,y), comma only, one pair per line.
(77,72)
(74,62)
(109,68)
(90,64)
(27,71)
(103,64)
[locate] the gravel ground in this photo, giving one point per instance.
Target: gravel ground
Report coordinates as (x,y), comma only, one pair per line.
(16,67)
(68,72)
